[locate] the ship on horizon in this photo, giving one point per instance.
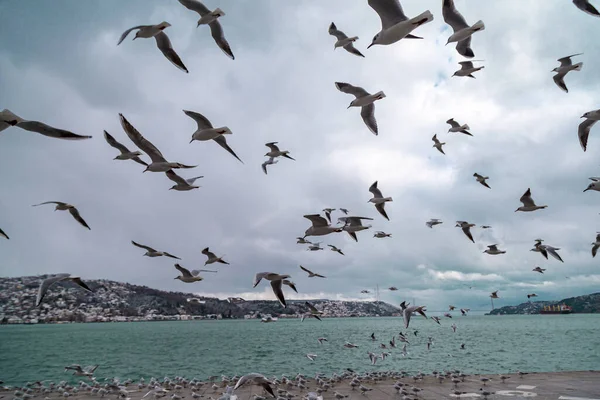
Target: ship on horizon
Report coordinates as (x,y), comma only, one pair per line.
(557,309)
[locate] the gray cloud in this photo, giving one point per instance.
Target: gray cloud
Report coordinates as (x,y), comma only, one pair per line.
(68,72)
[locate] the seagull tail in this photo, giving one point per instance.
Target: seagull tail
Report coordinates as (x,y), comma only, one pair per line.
(219,13)
(225,131)
(478,26)
(577,67)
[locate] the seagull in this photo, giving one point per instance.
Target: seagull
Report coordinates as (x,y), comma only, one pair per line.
(313,310)
(596,244)
(290,284)
(583,132)
(8,118)
(164,45)
(206,131)
(466,228)
(493,250)
(78,371)
(270,161)
(531,295)
(528,203)
(436,319)
(455,19)
(187,276)
(379,200)
(256,379)
(210,18)
(145,31)
(393,342)
(437,144)
(353,225)
(344,210)
(60,206)
(311,357)
(392,288)
(586,7)
(181,183)
(126,154)
(333,248)
(373,336)
(159,163)
(212,258)
(433,222)
(328,212)
(467,69)
(464,311)
(566,66)
(321,340)
(275,152)
(595,185)
(365,291)
(485,227)
(319,226)
(381,234)
(546,249)
(350,345)
(46,283)
(301,240)
(451,308)
(482,179)
(453,326)
(364,100)
(408,310)
(538,269)
(494,295)
(395,25)
(344,41)
(310,273)
(276,283)
(456,127)
(315,247)
(4,234)
(150,252)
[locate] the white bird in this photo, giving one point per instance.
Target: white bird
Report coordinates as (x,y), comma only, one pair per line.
(531,295)
(586,7)
(78,371)
(493,250)
(126,154)
(566,66)
(408,310)
(437,144)
(467,69)
(353,225)
(381,234)
(433,222)
(333,248)
(46,283)
(365,100)
(164,45)
(8,119)
(320,226)
(256,379)
(182,184)
(276,283)
(466,228)
(321,340)
(150,252)
(311,357)
(596,244)
(456,127)
(458,23)
(350,345)
(538,269)
(301,240)
(344,41)
(379,200)
(145,31)
(328,212)
(270,161)
(583,132)
(205,131)
(462,30)
(545,249)
(528,203)
(60,206)
(315,246)
(210,18)
(187,276)
(395,25)
(159,163)
(482,179)
(212,258)
(274,151)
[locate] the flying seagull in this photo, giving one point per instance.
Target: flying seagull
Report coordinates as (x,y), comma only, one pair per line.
(276,283)
(450,12)
(531,295)
(494,295)
(328,212)
(310,273)
(150,252)
(381,235)
(275,152)
(466,228)
(596,244)
(538,269)
(437,144)
(456,127)
(78,371)
(315,247)
(566,66)
(4,234)
(46,283)
(395,25)
(365,100)
(586,7)
(182,184)
(482,179)
(210,18)
(333,248)
(344,41)
(206,131)
(187,276)
(408,310)
(433,222)
(270,161)
(493,250)
(467,69)
(379,200)
(126,154)
(60,206)
(212,258)
(145,31)
(8,118)
(159,163)
(353,224)
(320,226)
(583,132)
(528,203)
(458,23)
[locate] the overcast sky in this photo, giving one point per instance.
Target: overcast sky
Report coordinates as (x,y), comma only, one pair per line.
(59,63)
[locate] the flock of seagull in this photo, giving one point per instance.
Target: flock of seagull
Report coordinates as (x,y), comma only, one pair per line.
(395,26)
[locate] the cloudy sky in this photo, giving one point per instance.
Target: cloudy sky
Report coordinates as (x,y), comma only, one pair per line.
(64,68)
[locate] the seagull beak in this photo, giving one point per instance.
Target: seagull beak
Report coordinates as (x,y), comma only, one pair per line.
(369,46)
(191,140)
(586,190)
(349,106)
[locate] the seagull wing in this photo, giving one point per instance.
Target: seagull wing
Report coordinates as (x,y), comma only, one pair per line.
(3,234)
(406,316)
(353,50)
(466,65)
(552,251)
(258,277)
(113,142)
(218,35)
(75,213)
(184,271)
(201,120)
(493,247)
(223,143)
(560,82)
(276,286)
(312,308)
(46,283)
(195,5)
(306,270)
(47,130)
(273,146)
(585,6)
(148,248)
(356,91)
(317,220)
(467,231)
(368,115)
(583,132)
(164,45)
(144,144)
(526,199)
(60,203)
(172,175)
(455,19)
(81,283)
(376,192)
(381,208)
(390,12)
(566,61)
(334,31)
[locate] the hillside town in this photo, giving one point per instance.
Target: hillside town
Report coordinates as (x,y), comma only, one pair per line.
(122,302)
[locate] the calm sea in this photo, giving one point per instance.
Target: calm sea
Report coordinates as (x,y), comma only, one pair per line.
(494,344)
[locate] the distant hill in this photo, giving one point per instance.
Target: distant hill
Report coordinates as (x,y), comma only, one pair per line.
(581,304)
(116,301)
